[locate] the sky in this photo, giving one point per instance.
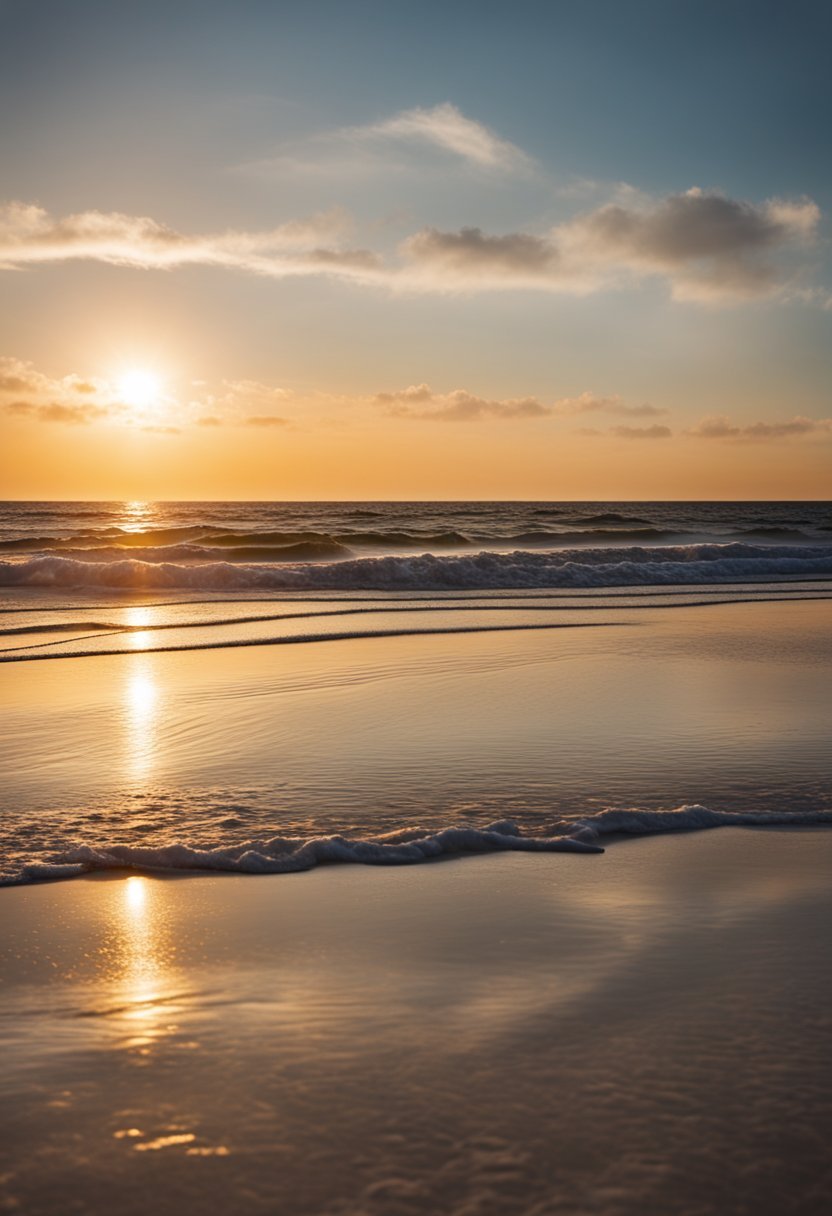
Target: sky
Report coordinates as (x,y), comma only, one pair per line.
(309,250)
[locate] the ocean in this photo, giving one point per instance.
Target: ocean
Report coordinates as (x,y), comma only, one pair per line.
(265,687)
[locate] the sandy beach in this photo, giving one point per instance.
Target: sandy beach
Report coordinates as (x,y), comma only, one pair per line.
(644,1031)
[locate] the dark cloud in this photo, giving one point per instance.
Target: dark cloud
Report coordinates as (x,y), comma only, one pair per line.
(57,411)
(706,246)
(642,432)
(265,420)
(721,427)
(471,252)
(588,403)
(419,402)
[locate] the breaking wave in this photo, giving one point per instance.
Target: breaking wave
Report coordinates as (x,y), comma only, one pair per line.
(408,846)
(687,565)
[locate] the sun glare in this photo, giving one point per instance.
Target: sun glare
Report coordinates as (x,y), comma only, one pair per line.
(139,388)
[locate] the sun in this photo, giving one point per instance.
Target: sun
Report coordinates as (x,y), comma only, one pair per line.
(139,388)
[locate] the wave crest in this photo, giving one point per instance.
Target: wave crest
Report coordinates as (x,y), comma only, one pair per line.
(689,565)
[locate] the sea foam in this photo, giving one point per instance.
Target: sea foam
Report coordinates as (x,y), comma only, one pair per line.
(688,565)
(408,846)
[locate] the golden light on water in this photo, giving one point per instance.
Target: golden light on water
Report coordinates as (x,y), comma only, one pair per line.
(136,620)
(137,515)
(140,715)
(135,895)
(143,951)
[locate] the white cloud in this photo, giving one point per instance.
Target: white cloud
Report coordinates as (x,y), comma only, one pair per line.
(386,147)
(447,128)
(28,234)
(703,246)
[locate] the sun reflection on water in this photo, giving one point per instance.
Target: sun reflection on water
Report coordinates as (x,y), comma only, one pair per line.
(137,619)
(143,971)
(137,516)
(149,1007)
(141,719)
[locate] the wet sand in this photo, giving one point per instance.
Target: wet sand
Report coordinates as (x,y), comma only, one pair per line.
(641,1032)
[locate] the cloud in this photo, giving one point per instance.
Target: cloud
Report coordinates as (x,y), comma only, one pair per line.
(265,420)
(355,152)
(419,402)
(16,376)
(588,403)
(469,257)
(704,246)
(27,393)
(29,235)
(251,391)
(642,432)
(57,411)
(721,427)
(707,245)
(446,127)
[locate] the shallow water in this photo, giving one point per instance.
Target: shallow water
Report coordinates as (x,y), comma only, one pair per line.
(724,705)
(233,685)
(507,1035)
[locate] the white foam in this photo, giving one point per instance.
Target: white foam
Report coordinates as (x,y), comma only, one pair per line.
(598,567)
(409,846)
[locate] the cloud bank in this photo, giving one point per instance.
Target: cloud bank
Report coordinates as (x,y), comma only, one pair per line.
(703,246)
(29,235)
(420,403)
(29,395)
(706,247)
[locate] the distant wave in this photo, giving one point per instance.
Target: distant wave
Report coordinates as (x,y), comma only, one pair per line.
(302,551)
(611,517)
(409,846)
(773,533)
(204,540)
(688,565)
(207,541)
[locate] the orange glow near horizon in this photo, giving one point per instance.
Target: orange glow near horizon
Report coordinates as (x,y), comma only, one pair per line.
(133,437)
